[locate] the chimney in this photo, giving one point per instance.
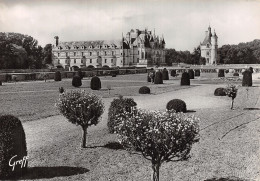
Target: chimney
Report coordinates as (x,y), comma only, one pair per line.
(57,40)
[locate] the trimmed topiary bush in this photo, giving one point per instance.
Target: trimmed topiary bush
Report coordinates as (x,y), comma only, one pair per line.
(148,78)
(220,92)
(118,106)
(165,74)
(191,74)
(76,81)
(197,73)
(247,78)
(185,79)
(12,147)
(177,104)
(81,108)
(227,71)
(57,76)
(61,90)
(95,83)
(173,73)
(221,73)
(251,69)
(159,136)
(236,74)
(158,79)
(144,90)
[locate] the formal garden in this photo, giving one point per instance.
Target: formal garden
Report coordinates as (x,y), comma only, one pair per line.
(161,124)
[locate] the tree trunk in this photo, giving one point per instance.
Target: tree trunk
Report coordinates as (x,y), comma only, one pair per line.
(155,173)
(232,102)
(84,137)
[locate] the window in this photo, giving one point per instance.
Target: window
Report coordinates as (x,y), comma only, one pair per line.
(90,53)
(121,53)
(82,53)
(138,52)
(75,61)
(58,54)
(207,45)
(111,60)
(81,60)
(90,60)
(142,55)
(105,53)
(58,61)
(66,54)
(137,60)
(208,53)
(112,53)
(74,53)
(105,60)
(97,53)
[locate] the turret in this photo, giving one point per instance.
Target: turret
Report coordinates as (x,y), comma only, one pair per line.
(57,40)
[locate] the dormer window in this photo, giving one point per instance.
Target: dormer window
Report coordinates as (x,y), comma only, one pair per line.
(83,47)
(67,47)
(59,48)
(207,45)
(90,46)
(75,47)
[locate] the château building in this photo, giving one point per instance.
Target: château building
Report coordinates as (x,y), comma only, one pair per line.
(138,48)
(209,47)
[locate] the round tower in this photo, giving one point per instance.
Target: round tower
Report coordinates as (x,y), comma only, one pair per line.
(214,48)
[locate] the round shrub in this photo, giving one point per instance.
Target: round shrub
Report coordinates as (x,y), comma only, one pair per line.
(118,106)
(12,147)
(95,83)
(191,74)
(177,104)
(185,79)
(221,73)
(197,73)
(247,78)
(173,73)
(235,74)
(220,92)
(144,90)
(57,76)
(227,71)
(158,79)
(76,81)
(165,74)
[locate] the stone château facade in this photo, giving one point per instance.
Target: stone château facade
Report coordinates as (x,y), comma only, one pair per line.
(137,48)
(209,47)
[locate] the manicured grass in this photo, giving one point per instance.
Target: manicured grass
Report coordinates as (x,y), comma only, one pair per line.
(36,99)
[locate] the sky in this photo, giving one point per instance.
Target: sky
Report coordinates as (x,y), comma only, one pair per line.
(182,23)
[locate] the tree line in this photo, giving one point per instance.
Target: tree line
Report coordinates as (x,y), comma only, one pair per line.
(18,51)
(243,53)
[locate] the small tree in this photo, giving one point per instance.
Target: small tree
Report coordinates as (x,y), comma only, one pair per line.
(231,91)
(159,136)
(165,74)
(81,108)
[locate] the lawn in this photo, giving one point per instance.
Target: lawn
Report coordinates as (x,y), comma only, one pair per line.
(229,139)
(35,100)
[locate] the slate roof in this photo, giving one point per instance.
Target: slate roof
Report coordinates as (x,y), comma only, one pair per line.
(87,44)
